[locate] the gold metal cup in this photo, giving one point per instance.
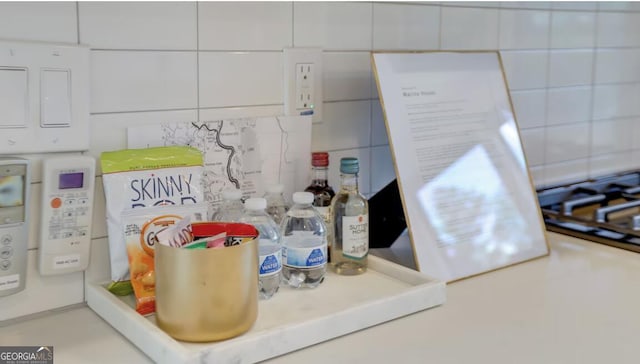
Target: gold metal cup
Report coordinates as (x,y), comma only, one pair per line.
(206,294)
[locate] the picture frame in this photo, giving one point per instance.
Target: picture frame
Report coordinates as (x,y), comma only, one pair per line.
(468,197)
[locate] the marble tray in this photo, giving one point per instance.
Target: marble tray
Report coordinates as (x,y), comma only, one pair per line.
(289,321)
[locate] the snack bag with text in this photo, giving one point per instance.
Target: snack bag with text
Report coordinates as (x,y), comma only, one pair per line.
(141,229)
(143,178)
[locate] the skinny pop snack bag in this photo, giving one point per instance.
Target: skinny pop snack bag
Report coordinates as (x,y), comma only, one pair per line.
(140,178)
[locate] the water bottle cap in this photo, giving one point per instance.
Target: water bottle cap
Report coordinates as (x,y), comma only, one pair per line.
(255,203)
(276,188)
(231,194)
(349,165)
(302,197)
(320,159)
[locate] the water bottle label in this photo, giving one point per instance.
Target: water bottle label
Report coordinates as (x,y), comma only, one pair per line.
(312,255)
(270,264)
(355,236)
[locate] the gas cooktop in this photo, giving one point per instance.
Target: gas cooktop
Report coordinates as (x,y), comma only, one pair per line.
(604,210)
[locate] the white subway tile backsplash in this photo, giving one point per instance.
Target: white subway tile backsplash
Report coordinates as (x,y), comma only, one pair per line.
(573,29)
(530,107)
(635,141)
(619,5)
(526,4)
(615,101)
(567,142)
(137,81)
(537,175)
(99,269)
(345,125)
(570,68)
(617,65)
(378,126)
(332,25)
(40,21)
(524,29)
(245,25)
(525,69)
(532,139)
(566,172)
(240,112)
(472,4)
(98,223)
(568,105)
(618,30)
(42,292)
(610,163)
(469,28)
(138,25)
(574,5)
(347,76)
(240,79)
(35,205)
(635,157)
(402,26)
(611,136)
(382,168)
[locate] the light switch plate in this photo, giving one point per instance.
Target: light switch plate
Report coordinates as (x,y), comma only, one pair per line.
(55,98)
(303,82)
(14,97)
(66,104)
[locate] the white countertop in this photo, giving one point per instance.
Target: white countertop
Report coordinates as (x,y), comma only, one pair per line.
(581,305)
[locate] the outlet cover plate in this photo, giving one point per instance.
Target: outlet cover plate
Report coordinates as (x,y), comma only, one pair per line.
(298,56)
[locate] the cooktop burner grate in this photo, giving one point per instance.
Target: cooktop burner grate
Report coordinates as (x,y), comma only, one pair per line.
(605,210)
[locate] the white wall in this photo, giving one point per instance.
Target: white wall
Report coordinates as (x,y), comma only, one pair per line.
(573,69)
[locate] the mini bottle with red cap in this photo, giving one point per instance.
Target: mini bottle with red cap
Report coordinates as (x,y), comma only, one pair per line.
(322,192)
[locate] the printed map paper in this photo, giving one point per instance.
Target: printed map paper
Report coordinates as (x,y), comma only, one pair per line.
(244,153)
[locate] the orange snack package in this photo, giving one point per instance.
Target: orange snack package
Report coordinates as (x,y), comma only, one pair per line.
(141,226)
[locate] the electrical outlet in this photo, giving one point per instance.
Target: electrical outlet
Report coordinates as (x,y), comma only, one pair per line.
(303,82)
(304,86)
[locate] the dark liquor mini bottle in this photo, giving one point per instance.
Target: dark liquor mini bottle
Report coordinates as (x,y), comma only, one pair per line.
(322,192)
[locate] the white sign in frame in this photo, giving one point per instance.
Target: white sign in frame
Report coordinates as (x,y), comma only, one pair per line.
(468,198)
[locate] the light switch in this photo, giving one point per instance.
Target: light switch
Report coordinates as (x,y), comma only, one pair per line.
(55,98)
(14,96)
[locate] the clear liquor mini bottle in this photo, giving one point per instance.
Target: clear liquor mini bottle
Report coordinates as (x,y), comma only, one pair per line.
(350,215)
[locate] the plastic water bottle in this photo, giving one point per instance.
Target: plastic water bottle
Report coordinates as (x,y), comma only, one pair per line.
(304,244)
(269,247)
(276,204)
(231,207)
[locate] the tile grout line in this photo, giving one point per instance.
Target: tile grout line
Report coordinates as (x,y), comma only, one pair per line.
(546,98)
(293,24)
(198,60)
(593,92)
(440,27)
(78,21)
(372,47)
(84,274)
